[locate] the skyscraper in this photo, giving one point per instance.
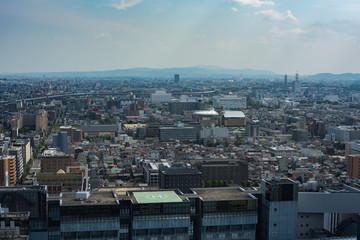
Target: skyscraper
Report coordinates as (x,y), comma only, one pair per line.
(60,141)
(285,81)
(177,78)
(296,84)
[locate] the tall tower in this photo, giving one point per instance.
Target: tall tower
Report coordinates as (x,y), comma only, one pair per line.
(285,81)
(296,84)
(177,78)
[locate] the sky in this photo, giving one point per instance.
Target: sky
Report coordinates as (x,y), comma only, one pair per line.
(284,36)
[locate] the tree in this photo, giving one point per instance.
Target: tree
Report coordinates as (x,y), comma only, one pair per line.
(221,183)
(208,183)
(226,183)
(231,181)
(338,174)
(215,183)
(202,183)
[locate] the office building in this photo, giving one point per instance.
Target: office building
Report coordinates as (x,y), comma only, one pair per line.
(177,133)
(180,176)
(230,102)
(61,181)
(279,209)
(177,78)
(152,171)
(223,169)
(14,225)
(179,107)
(253,128)
(300,135)
(160,96)
(41,120)
(53,161)
(25,147)
(60,141)
(73,133)
(296,87)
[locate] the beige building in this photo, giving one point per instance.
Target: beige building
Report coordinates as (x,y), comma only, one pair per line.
(61,181)
(41,120)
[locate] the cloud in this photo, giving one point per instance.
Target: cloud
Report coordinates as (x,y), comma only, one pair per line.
(253,3)
(271,15)
(125,4)
(276,35)
(234,9)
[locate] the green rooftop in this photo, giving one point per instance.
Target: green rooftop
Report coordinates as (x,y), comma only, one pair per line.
(157,197)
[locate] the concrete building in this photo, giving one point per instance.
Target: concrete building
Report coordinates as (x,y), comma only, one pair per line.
(152,171)
(206,117)
(26,149)
(286,152)
(253,129)
(177,133)
(17,152)
(60,141)
(230,102)
(53,161)
(179,107)
(7,171)
(279,209)
(160,96)
(353,166)
(60,181)
(345,133)
(41,120)
(223,169)
(75,134)
(15,225)
(300,135)
(100,130)
(233,119)
(180,176)
(214,132)
(177,78)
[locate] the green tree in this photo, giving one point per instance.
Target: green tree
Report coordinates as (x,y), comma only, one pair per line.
(226,183)
(231,181)
(208,183)
(215,183)
(202,183)
(221,183)
(338,174)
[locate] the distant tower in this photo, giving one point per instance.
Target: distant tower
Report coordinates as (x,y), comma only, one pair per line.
(177,78)
(296,84)
(285,81)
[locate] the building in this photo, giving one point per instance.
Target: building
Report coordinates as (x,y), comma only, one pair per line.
(230,102)
(32,199)
(253,129)
(26,149)
(353,165)
(206,117)
(17,152)
(60,181)
(159,215)
(300,135)
(7,171)
(179,107)
(233,119)
(345,133)
(75,134)
(296,87)
(160,96)
(177,78)
(213,132)
(15,225)
(53,161)
(180,132)
(279,209)
(285,152)
(180,176)
(223,213)
(152,171)
(60,141)
(220,169)
(41,120)
(101,130)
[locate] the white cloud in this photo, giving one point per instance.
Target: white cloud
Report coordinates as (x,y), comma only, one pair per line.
(276,35)
(271,15)
(253,3)
(125,4)
(234,9)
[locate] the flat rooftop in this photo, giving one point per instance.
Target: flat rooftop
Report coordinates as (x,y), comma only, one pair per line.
(96,198)
(156,197)
(218,194)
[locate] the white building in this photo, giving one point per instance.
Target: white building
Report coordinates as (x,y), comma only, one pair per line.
(230,102)
(160,96)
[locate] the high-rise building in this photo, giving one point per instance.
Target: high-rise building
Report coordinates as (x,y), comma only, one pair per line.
(253,129)
(177,133)
(8,171)
(300,135)
(296,84)
(52,161)
(177,78)
(41,120)
(160,96)
(279,209)
(285,81)
(60,141)
(17,152)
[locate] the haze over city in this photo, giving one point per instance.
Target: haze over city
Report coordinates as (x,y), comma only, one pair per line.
(280,36)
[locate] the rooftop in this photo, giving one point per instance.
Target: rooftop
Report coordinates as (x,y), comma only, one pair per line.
(96,198)
(156,197)
(234,114)
(210,112)
(216,194)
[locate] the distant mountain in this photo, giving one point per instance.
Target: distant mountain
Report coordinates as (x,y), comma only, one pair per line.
(331,76)
(188,72)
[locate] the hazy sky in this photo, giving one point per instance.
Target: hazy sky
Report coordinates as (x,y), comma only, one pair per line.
(284,36)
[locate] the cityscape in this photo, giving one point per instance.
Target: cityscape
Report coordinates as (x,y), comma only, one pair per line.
(222,140)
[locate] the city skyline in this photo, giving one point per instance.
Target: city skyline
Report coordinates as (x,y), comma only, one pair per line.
(281,36)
